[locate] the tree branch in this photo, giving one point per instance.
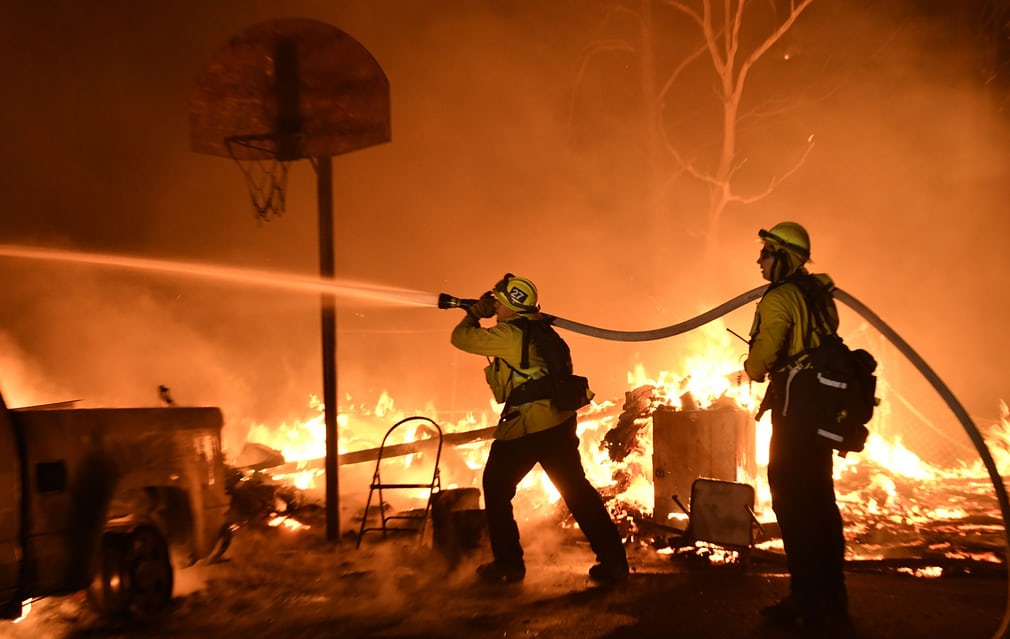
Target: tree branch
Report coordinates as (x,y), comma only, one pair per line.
(794,12)
(672,78)
(775,181)
(595,48)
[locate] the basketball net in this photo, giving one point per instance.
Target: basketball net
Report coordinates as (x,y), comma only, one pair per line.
(266,177)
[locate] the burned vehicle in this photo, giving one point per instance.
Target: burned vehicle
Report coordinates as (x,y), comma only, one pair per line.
(107,499)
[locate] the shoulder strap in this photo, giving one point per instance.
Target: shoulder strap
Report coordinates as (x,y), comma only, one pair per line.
(553,348)
(816,297)
(549,343)
(524,357)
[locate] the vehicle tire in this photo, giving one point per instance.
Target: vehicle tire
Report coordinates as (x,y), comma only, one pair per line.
(150,572)
(134,574)
(105,593)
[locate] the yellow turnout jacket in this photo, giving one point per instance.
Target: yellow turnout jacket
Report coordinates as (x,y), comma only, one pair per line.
(782,329)
(502,344)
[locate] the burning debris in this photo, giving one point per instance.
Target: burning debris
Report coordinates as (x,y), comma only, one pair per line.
(666,434)
(622,439)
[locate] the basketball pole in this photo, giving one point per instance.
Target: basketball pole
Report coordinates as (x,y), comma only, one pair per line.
(328,315)
(289,121)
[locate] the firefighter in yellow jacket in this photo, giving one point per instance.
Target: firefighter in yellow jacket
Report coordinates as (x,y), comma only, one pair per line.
(528,433)
(799,468)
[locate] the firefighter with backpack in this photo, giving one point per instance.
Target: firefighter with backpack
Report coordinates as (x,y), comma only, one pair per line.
(784,331)
(533,429)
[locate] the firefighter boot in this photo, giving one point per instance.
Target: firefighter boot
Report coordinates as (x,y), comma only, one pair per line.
(609,573)
(788,611)
(500,573)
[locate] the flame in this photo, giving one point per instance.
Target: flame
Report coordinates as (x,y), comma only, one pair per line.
(893,456)
(714,375)
(998,441)
(26,608)
(714,379)
(887,484)
(288,523)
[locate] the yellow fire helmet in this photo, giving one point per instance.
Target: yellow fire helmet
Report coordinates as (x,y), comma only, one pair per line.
(789,236)
(517,293)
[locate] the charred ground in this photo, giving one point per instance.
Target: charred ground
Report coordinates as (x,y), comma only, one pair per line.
(278,583)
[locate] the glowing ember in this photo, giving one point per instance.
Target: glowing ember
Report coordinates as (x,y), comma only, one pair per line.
(929,572)
(283,521)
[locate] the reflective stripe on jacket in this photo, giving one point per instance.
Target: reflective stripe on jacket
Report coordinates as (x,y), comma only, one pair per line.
(782,329)
(503,343)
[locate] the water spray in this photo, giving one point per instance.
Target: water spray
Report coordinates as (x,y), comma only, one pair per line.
(287,281)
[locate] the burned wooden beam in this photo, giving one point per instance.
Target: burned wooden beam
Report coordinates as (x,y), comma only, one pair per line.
(409,448)
(396,450)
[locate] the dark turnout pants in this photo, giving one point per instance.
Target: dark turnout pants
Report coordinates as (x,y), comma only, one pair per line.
(557,451)
(803,498)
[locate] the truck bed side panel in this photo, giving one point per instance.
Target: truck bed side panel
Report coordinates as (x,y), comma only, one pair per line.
(10,510)
(79,459)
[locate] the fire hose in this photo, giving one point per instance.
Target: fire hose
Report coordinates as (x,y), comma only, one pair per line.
(948,397)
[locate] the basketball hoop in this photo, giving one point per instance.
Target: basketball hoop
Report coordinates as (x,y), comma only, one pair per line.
(286,90)
(262,160)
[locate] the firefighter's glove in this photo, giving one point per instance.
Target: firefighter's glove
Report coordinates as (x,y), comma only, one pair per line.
(484,307)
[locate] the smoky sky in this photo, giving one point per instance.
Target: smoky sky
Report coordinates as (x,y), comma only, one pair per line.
(516,146)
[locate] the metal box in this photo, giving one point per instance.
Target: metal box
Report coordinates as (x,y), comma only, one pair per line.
(722,513)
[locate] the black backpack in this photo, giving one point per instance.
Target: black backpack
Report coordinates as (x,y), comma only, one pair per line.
(565,389)
(837,392)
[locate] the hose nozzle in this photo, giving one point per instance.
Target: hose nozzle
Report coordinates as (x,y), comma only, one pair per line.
(448,301)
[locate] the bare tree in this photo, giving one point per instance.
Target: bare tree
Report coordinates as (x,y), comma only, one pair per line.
(732,36)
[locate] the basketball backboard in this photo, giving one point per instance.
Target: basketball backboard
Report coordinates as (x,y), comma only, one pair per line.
(288,89)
